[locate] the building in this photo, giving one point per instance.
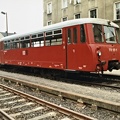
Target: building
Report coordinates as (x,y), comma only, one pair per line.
(4,34)
(61,10)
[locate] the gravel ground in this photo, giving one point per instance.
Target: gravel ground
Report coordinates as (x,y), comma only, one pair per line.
(89,91)
(100,114)
(103,94)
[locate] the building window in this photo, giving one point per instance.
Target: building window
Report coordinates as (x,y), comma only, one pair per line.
(77,16)
(77,1)
(49,23)
(117,10)
(64,19)
(49,8)
(93,13)
(64,3)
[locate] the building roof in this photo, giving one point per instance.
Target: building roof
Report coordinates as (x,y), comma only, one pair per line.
(5,34)
(64,24)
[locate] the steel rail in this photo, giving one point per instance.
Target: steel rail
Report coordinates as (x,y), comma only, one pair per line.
(110,105)
(100,84)
(5,116)
(106,85)
(51,105)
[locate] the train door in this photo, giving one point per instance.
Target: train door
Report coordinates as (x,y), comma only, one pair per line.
(71,43)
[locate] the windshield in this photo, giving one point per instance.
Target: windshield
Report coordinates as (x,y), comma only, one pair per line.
(118,34)
(110,36)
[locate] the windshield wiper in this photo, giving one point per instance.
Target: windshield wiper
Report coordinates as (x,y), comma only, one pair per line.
(111,32)
(100,30)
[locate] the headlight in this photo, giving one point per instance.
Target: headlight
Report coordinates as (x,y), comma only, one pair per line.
(99,53)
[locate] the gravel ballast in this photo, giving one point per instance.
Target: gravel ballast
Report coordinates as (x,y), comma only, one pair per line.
(90,91)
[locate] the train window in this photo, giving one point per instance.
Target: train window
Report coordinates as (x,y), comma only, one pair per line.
(75,35)
(53,39)
(82,34)
(110,35)
(41,43)
(56,40)
(58,31)
(15,45)
(98,34)
(22,44)
(22,38)
(47,42)
(35,44)
(48,33)
(118,35)
(27,37)
(7,45)
(25,43)
(17,39)
(69,36)
(11,44)
(38,42)
(40,35)
(33,36)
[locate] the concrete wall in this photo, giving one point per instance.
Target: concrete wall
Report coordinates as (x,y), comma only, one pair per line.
(105,10)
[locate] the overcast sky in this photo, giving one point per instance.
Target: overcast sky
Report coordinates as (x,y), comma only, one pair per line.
(23,15)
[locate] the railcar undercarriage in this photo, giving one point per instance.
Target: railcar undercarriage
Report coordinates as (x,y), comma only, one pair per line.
(113,65)
(53,73)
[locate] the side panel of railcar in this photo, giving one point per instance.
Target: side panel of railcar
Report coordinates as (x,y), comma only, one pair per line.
(46,57)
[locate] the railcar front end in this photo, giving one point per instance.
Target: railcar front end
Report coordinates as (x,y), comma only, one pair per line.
(93,46)
(106,46)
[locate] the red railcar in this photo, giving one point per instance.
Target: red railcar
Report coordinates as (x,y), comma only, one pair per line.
(87,44)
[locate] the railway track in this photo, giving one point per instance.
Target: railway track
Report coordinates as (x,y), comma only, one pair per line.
(4,116)
(16,105)
(111,81)
(79,98)
(115,85)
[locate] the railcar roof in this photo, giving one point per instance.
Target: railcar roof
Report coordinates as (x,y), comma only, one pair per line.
(62,25)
